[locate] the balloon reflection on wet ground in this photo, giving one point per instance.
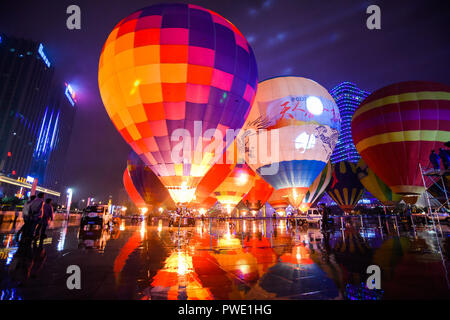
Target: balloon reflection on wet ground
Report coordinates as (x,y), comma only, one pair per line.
(227,259)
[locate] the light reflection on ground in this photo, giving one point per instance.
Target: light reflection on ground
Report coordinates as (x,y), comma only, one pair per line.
(235,259)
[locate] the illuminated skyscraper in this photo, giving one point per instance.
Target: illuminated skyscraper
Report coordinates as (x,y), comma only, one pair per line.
(49,154)
(348,97)
(25,82)
(36,114)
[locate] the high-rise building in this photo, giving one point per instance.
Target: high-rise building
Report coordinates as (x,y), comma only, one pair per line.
(348,97)
(49,154)
(25,82)
(36,114)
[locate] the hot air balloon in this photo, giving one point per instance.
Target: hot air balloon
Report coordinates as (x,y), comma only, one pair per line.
(396,127)
(306,119)
(174,78)
(258,194)
(215,176)
(278,202)
(375,185)
(345,188)
(317,188)
(238,183)
(147,184)
(132,191)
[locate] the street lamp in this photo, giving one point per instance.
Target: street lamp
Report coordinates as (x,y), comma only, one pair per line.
(144,210)
(69,200)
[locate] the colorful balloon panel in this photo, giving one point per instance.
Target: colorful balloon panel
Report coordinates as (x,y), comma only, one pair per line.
(238,183)
(132,191)
(317,188)
(258,194)
(176,66)
(375,185)
(147,183)
(307,121)
(396,127)
(345,188)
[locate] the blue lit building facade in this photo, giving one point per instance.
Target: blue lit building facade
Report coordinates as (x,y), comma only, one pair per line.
(36,116)
(50,151)
(348,97)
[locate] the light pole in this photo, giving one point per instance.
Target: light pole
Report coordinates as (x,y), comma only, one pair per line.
(69,201)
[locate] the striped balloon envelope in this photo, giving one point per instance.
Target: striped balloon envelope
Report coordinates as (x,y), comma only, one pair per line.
(258,194)
(132,191)
(396,128)
(306,120)
(278,201)
(235,186)
(317,188)
(375,185)
(171,77)
(147,184)
(345,188)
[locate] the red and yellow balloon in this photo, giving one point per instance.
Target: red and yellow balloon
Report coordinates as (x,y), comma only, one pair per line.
(173,76)
(396,127)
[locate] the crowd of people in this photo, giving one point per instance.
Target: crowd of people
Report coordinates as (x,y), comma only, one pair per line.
(37,214)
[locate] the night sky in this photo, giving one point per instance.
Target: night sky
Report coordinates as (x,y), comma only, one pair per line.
(326,41)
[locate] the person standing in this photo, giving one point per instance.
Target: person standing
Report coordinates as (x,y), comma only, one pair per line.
(47,215)
(445,156)
(325,216)
(36,207)
(434,159)
(25,217)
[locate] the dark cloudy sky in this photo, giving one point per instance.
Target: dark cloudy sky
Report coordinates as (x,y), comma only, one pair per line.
(326,41)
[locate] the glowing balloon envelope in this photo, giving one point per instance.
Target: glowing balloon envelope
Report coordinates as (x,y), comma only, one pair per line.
(375,185)
(170,74)
(396,127)
(216,175)
(345,188)
(238,183)
(307,121)
(317,188)
(132,191)
(258,194)
(278,201)
(147,184)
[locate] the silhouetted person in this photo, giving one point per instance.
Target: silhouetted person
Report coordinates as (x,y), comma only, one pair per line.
(35,213)
(445,156)
(434,159)
(325,216)
(47,215)
(26,218)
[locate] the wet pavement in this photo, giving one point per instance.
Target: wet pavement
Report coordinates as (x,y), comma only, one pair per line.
(234,259)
